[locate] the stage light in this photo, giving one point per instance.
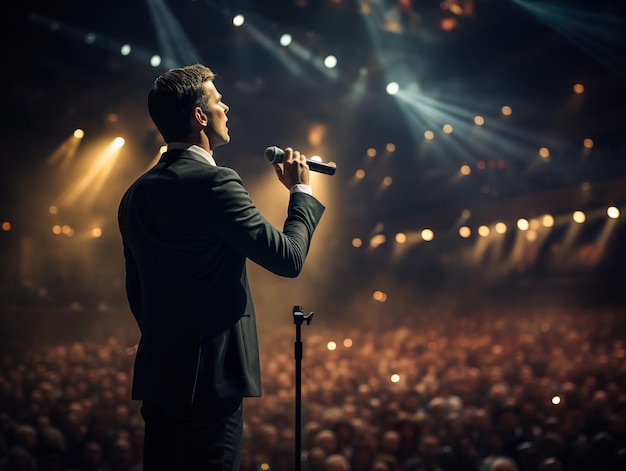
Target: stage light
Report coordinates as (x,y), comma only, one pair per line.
(395,378)
(377,240)
(125,49)
(379,296)
(390,147)
(285,39)
(392,88)
(400,237)
(579,88)
(465,232)
(360,174)
(347,343)
(155,61)
(465,169)
(331,345)
(447,128)
(429,135)
(53,209)
(579,217)
(356,242)
(544,152)
(556,400)
(588,143)
(79,133)
(371,152)
(523,224)
(56,229)
(6,226)
(96,232)
(547,220)
(507,110)
(612,212)
(238,20)
(479,120)
(501,228)
(90,38)
(330,62)
(118,142)
(483,231)
(428,235)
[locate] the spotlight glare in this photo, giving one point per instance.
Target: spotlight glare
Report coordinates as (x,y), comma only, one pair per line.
(285,40)
(612,212)
(79,133)
(547,220)
(118,142)
(501,228)
(428,235)
(579,217)
(330,62)
(392,88)
(523,224)
(379,296)
(238,20)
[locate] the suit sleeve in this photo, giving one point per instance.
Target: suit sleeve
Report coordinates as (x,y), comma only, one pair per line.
(241,225)
(133,286)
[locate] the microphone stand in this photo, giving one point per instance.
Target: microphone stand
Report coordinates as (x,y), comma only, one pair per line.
(298,319)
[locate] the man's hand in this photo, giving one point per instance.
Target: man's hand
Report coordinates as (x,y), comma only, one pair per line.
(293,170)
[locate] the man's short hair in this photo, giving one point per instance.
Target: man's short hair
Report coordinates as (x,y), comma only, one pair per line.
(173,97)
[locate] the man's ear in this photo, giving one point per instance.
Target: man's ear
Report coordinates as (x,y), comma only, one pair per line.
(200,116)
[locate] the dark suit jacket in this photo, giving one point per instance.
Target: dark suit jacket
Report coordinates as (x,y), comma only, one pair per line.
(188,228)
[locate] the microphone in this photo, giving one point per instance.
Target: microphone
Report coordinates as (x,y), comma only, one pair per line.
(275,155)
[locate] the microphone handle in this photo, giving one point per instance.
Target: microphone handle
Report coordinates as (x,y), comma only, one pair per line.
(275,155)
(320,167)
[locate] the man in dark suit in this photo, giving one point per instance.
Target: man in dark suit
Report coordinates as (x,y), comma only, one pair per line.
(188,227)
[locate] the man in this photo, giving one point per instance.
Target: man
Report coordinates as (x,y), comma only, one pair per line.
(188,227)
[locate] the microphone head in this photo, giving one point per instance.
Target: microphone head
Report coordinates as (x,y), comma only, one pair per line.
(274,154)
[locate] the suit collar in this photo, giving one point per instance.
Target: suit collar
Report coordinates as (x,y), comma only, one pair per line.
(177,150)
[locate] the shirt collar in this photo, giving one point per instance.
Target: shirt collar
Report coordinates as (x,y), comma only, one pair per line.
(192,148)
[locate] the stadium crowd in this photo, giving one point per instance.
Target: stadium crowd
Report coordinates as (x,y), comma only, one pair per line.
(515,389)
